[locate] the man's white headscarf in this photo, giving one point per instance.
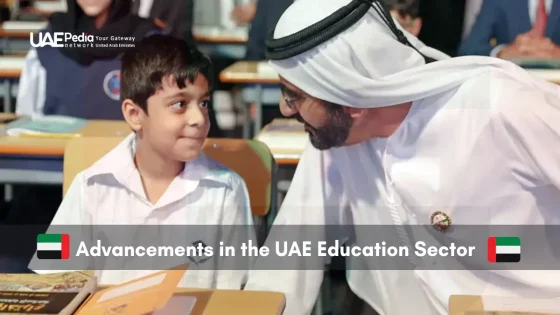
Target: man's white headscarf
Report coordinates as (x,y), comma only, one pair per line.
(366,66)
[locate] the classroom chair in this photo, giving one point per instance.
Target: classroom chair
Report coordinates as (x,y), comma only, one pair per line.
(251,159)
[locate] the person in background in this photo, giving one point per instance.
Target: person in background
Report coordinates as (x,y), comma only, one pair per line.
(244,13)
(515,29)
(472,8)
(175,16)
(83,82)
(267,13)
(158,175)
(406,13)
(442,24)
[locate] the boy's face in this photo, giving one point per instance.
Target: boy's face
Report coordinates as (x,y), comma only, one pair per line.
(94,7)
(177,123)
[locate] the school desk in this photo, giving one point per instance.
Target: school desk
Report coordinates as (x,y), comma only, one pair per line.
(217,35)
(235,302)
(10,71)
(14,35)
(215,302)
(254,73)
(215,40)
(40,160)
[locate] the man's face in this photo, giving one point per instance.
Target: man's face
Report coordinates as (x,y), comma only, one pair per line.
(94,7)
(327,124)
(177,123)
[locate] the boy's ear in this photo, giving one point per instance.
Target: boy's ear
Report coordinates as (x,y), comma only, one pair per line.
(132,114)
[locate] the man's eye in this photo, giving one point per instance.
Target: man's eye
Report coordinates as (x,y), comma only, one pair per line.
(204,104)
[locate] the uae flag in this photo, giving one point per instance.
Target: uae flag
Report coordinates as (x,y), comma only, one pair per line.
(504,249)
(53,246)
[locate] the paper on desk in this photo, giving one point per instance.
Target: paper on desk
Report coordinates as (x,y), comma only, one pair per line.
(140,296)
(504,304)
(178,305)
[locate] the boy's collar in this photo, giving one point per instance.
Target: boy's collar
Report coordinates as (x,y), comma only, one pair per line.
(119,162)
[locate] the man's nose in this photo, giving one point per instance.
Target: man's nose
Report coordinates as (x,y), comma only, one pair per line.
(286,110)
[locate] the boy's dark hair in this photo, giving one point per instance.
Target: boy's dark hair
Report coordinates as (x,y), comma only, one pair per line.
(154,58)
(404,7)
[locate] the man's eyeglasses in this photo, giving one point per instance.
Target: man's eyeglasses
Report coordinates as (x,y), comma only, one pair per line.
(290,97)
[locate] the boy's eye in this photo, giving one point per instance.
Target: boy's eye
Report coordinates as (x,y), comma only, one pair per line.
(204,104)
(178,105)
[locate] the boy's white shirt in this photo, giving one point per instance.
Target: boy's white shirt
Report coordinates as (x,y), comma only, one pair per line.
(205,193)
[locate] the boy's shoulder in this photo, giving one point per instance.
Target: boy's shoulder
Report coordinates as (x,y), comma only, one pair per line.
(216,171)
(118,163)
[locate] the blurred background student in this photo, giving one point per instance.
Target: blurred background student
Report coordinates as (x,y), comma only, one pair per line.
(515,29)
(92,89)
(176,16)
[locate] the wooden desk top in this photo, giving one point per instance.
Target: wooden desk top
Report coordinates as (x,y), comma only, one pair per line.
(249,72)
(236,302)
(11,66)
(55,146)
(215,35)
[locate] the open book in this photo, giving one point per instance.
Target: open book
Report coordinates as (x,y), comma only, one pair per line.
(49,126)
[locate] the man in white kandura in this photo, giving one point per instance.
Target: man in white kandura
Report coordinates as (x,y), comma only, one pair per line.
(396,141)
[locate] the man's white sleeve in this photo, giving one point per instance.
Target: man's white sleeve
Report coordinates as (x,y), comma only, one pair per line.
(237,228)
(532,121)
(70,212)
(311,203)
(32,87)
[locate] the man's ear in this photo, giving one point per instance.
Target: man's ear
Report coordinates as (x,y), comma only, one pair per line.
(355,112)
(133,114)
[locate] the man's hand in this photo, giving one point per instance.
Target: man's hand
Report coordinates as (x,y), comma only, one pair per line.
(532,46)
(244,14)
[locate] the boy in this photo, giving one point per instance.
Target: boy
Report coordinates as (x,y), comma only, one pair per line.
(406,13)
(158,175)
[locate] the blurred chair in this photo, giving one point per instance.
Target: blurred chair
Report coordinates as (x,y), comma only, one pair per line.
(251,159)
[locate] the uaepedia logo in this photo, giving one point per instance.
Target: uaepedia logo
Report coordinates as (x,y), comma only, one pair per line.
(60,39)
